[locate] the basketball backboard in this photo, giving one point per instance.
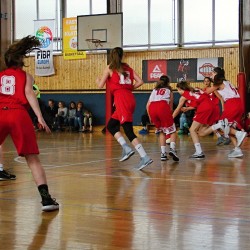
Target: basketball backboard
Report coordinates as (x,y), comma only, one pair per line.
(107,28)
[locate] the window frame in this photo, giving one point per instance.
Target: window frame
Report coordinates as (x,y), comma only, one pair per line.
(177,22)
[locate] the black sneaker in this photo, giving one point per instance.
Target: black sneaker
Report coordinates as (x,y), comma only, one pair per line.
(49,205)
(164,157)
(173,153)
(4,175)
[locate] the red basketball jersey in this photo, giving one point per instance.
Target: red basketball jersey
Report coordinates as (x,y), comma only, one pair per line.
(119,81)
(12,86)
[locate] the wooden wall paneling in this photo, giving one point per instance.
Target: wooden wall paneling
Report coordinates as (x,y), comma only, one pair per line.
(80,75)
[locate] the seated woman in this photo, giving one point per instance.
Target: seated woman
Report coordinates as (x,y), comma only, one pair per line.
(61,116)
(71,115)
(87,120)
(50,113)
(79,116)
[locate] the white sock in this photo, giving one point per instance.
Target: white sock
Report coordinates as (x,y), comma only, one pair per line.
(172,145)
(1,167)
(238,133)
(140,150)
(198,148)
(122,141)
(216,126)
(163,149)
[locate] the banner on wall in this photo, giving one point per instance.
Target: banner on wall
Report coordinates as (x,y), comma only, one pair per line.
(192,69)
(70,40)
(44,30)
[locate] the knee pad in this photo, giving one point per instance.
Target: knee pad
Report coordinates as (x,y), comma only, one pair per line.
(113,126)
(128,130)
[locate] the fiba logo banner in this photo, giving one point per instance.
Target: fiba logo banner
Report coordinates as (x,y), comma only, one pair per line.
(44,57)
(44,34)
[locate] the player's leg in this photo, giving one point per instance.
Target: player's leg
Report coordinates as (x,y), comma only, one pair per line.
(194,135)
(39,176)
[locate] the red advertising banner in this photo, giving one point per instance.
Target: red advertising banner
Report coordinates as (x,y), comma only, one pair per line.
(155,69)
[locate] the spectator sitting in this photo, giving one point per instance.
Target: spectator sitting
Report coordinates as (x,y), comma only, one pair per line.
(61,116)
(50,112)
(183,124)
(186,119)
(144,121)
(87,120)
(71,115)
(79,116)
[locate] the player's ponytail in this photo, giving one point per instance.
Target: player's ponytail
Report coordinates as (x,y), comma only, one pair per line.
(116,63)
(16,53)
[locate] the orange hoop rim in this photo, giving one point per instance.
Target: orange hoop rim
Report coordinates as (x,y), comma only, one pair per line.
(97,42)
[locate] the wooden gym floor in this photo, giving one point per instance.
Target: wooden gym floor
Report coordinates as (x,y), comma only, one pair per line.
(105,204)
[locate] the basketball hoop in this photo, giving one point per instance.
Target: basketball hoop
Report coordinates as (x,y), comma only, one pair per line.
(94,44)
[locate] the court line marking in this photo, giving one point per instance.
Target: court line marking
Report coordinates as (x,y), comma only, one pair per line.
(169,179)
(17,159)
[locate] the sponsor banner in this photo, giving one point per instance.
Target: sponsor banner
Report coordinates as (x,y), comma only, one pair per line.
(154,69)
(190,69)
(182,69)
(70,40)
(44,30)
(205,67)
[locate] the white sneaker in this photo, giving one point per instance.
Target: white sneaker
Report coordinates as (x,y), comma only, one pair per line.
(226,127)
(197,156)
(235,153)
(145,161)
(240,136)
(168,141)
(126,154)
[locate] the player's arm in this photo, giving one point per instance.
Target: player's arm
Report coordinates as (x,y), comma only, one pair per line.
(102,81)
(31,97)
(147,106)
(138,81)
(180,105)
(210,90)
(171,101)
(185,109)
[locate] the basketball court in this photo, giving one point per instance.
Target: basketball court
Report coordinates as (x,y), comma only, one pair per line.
(105,204)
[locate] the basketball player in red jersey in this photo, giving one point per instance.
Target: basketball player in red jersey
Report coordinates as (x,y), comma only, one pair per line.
(16,95)
(230,119)
(203,115)
(233,110)
(120,78)
(217,99)
(160,108)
